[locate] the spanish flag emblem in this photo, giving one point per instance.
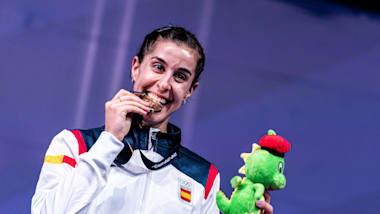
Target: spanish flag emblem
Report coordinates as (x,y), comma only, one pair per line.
(186,195)
(59,159)
(185,190)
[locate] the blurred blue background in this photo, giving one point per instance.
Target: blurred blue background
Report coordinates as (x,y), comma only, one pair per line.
(308,69)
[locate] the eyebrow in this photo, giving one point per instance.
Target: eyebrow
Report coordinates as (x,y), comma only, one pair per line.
(164,62)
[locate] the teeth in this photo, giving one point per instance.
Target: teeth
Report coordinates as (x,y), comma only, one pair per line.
(157,99)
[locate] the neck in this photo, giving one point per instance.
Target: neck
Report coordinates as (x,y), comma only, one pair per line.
(161,126)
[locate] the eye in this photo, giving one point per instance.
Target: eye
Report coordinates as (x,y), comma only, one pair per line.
(280,167)
(180,76)
(158,67)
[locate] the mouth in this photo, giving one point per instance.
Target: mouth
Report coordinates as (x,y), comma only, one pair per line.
(156,102)
(156,98)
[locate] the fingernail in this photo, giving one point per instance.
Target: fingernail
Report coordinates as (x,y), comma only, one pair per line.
(259,203)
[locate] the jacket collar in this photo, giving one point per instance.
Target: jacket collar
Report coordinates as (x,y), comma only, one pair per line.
(138,138)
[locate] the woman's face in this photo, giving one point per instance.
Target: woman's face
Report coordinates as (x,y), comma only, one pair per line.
(165,74)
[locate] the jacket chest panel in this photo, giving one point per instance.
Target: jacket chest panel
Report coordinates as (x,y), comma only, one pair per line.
(158,191)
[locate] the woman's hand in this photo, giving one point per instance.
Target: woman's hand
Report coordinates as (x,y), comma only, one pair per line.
(119,110)
(266,207)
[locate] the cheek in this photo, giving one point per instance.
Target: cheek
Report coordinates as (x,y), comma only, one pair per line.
(179,96)
(180,91)
(144,80)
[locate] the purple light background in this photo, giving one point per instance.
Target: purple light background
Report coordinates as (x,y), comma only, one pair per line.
(309,71)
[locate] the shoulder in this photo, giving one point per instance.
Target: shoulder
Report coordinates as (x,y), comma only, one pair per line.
(86,137)
(196,167)
(67,145)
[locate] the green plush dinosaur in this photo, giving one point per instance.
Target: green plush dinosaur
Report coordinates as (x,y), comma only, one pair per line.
(264,169)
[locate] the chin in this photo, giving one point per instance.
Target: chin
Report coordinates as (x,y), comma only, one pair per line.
(154,119)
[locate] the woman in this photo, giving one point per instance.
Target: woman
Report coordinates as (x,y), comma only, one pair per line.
(135,163)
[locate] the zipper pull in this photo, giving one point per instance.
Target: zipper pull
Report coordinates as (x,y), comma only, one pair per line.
(153,136)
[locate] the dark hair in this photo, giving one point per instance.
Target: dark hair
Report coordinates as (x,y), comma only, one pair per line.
(175,34)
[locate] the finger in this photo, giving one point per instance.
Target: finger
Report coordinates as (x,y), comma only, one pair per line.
(120,93)
(123,95)
(126,106)
(132,97)
(125,109)
(268,209)
(267,196)
(132,110)
(123,92)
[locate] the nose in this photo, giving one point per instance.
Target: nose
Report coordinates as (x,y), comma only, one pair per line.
(279,182)
(164,82)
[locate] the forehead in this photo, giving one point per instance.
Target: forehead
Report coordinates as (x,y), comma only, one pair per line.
(174,53)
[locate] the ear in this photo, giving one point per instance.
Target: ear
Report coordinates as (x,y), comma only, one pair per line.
(191,90)
(135,68)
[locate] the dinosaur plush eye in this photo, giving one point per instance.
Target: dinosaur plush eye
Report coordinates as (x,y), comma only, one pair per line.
(280,168)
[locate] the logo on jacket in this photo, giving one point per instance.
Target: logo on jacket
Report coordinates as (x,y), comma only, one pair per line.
(185,188)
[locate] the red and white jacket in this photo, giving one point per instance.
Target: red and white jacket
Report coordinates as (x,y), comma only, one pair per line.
(91,171)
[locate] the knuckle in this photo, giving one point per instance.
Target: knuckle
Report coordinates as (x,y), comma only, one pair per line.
(269,208)
(124,92)
(111,106)
(107,104)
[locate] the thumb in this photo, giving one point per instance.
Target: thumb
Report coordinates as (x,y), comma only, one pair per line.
(264,206)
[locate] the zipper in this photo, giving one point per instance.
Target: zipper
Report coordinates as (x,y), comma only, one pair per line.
(151,141)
